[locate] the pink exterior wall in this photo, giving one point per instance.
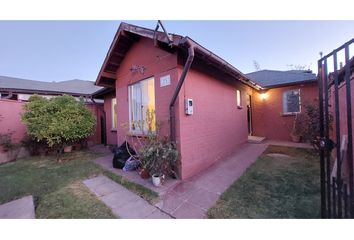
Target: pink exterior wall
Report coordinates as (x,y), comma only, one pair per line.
(10,112)
(217,126)
(111,133)
(267,115)
(157,63)
(10,119)
(97,113)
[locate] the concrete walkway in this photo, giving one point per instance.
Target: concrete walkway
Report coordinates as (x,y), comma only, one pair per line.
(190,198)
(22,208)
(133,176)
(122,202)
(193,197)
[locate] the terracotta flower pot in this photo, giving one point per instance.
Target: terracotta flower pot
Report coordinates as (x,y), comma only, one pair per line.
(144,173)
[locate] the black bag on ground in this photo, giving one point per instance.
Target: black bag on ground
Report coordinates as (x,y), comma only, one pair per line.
(121,154)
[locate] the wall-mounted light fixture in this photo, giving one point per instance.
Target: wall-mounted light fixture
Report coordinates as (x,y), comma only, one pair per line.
(264,95)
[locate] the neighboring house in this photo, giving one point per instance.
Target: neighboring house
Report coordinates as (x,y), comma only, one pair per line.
(155,71)
(15,92)
(283,95)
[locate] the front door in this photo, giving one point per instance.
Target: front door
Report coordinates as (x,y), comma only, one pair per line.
(249,114)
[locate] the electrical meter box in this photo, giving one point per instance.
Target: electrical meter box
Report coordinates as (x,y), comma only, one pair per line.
(189,106)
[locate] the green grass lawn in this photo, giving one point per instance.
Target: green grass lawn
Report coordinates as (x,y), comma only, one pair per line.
(57,188)
(274,187)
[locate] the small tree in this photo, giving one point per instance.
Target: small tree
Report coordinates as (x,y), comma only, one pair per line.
(307,124)
(58,121)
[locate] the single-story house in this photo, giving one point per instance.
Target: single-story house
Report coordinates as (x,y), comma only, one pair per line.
(15,92)
(200,101)
(282,96)
(198,98)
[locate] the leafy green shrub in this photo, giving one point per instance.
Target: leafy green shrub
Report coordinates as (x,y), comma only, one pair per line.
(307,123)
(58,121)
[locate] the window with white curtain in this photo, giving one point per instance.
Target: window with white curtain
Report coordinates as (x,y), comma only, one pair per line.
(114,113)
(142,106)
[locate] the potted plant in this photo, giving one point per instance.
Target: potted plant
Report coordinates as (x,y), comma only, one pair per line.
(160,156)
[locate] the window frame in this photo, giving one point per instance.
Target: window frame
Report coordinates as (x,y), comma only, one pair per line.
(114,114)
(138,131)
(299,97)
(239,99)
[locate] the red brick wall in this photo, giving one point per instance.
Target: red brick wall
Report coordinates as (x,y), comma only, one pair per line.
(268,119)
(216,128)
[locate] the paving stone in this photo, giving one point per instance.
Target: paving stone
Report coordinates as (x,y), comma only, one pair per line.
(203,198)
(170,203)
(157,214)
(105,188)
(117,199)
(22,208)
(134,209)
(188,210)
(93,182)
(122,202)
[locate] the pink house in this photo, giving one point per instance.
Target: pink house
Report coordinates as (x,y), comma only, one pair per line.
(283,95)
(199,99)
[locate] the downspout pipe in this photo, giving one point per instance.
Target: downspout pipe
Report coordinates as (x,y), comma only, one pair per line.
(186,68)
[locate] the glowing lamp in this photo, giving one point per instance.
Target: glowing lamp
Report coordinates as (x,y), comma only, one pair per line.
(264,95)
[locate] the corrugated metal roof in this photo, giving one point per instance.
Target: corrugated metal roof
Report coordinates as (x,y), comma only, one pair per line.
(75,86)
(269,78)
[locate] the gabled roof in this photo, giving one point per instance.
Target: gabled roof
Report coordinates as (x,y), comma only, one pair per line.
(75,86)
(128,34)
(273,78)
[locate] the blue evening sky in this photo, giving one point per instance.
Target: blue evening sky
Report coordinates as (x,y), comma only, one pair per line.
(62,50)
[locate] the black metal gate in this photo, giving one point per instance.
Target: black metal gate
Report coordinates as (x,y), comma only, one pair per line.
(336,143)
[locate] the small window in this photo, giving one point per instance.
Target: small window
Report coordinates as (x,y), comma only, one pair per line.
(291,101)
(238,99)
(114,113)
(142,106)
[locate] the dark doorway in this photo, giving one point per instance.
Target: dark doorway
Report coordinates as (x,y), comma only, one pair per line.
(249,114)
(103,130)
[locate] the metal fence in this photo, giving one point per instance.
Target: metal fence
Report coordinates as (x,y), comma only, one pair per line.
(336,147)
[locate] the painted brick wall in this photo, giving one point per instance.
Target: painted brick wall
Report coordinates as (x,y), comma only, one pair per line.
(268,119)
(10,119)
(10,112)
(157,63)
(217,127)
(97,112)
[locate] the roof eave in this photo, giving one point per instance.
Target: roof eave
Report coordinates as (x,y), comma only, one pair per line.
(289,84)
